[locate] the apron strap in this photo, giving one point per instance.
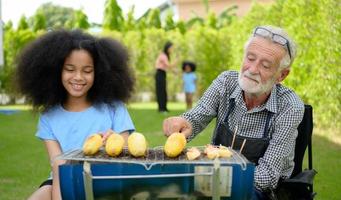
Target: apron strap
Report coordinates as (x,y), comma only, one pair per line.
(266,128)
(231,106)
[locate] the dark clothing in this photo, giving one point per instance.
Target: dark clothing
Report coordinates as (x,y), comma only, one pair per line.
(285,107)
(253,149)
(47,182)
(259,195)
(161,92)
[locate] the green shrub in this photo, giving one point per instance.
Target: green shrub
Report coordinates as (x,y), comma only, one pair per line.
(315,75)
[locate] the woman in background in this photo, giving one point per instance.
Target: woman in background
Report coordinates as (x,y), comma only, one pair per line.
(162,65)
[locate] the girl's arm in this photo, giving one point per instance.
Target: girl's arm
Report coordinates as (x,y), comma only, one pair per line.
(53,149)
(166,62)
(125,136)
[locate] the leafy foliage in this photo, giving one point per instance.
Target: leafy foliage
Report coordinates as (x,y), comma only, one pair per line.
(316,27)
(22,25)
(129,22)
(113,17)
(39,22)
(14,41)
(153,18)
(80,20)
(56,16)
(216,44)
(169,22)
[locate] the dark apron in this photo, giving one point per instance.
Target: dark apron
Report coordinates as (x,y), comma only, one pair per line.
(254,148)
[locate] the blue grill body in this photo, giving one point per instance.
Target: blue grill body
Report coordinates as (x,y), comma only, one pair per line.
(72,181)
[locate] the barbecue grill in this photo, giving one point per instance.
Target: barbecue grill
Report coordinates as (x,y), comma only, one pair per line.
(154,176)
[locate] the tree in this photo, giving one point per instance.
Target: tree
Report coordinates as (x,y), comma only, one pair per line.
(181,26)
(130,22)
(153,18)
(14,41)
(211,20)
(22,25)
(56,16)
(169,22)
(113,18)
(226,17)
(8,26)
(142,23)
(80,20)
(39,22)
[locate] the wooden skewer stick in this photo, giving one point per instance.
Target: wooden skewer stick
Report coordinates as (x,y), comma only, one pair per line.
(242,147)
(234,137)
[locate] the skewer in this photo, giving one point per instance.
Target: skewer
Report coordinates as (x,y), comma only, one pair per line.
(234,136)
(241,148)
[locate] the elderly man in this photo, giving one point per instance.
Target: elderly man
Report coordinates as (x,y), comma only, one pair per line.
(253,106)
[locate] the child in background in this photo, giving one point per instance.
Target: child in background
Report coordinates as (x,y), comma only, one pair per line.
(189,81)
(79,83)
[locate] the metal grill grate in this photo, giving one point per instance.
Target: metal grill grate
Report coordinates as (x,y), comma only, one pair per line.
(153,156)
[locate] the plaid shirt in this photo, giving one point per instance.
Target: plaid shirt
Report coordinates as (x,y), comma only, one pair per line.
(287,109)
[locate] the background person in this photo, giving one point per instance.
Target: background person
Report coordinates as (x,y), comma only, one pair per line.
(253,105)
(162,65)
(189,82)
(76,80)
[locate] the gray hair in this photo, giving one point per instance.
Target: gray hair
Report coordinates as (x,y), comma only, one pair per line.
(285,61)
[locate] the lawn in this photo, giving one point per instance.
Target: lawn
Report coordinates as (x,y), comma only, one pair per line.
(24,164)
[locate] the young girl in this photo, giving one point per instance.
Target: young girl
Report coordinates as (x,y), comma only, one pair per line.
(189,80)
(79,82)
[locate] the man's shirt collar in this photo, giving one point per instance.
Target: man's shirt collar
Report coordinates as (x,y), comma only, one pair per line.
(270,104)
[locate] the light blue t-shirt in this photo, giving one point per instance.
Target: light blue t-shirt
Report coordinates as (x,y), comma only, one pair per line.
(71,129)
(189,82)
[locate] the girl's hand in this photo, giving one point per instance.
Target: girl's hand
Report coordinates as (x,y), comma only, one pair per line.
(106,135)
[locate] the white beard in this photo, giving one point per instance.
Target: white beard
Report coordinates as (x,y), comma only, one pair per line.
(254,87)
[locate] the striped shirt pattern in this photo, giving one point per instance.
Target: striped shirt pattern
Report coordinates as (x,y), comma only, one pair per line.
(287,109)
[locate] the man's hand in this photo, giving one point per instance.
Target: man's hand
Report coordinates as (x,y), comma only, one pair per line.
(177,124)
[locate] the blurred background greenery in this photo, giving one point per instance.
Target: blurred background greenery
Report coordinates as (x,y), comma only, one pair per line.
(215,43)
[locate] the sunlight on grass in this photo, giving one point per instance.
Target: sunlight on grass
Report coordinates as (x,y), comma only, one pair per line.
(15,107)
(331,134)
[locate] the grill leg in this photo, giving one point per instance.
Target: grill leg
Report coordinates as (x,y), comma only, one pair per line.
(216,180)
(87,179)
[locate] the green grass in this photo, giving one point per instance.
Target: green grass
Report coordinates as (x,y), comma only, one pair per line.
(24,164)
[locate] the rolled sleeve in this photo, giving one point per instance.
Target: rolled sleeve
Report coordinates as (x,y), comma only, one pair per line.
(208,105)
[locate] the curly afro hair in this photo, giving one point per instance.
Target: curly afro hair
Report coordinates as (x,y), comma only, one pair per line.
(40,64)
(192,65)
